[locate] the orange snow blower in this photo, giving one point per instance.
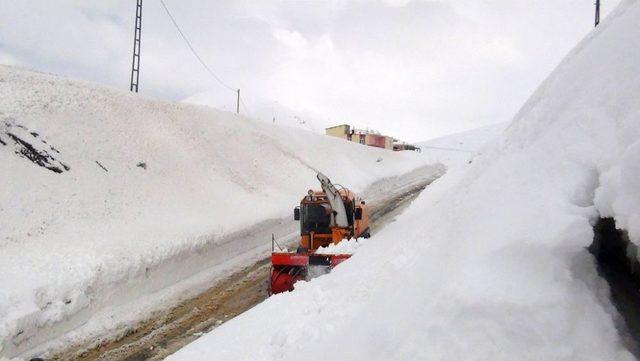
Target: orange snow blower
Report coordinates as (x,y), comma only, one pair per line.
(326,217)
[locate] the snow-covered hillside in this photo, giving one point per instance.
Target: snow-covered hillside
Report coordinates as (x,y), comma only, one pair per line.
(457,149)
(107,197)
(490,261)
(269,111)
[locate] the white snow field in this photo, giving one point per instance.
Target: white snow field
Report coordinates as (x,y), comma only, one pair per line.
(489,263)
(113,205)
(457,149)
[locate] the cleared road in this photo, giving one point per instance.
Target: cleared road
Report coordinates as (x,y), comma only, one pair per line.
(169,330)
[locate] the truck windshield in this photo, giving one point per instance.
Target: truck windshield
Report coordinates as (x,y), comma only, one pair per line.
(316,218)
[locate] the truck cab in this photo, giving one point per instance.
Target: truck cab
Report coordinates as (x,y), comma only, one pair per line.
(317,219)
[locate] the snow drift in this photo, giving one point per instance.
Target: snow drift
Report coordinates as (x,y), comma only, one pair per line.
(457,149)
(490,261)
(108,197)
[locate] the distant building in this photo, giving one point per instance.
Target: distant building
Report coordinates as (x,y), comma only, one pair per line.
(366,137)
(339,131)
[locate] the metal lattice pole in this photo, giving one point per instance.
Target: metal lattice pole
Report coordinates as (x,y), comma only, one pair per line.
(135,64)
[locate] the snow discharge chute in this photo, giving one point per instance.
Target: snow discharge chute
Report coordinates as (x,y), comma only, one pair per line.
(334,198)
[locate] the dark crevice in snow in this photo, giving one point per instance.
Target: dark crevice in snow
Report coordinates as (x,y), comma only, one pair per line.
(618,264)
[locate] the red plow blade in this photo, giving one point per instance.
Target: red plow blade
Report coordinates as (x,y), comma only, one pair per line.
(288,268)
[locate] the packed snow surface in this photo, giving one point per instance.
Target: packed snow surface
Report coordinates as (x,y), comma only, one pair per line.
(107,197)
(489,263)
(346,246)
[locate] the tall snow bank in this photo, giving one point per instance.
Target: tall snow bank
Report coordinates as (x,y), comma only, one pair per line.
(98,186)
(490,262)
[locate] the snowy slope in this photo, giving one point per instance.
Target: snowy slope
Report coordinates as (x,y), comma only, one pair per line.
(265,110)
(457,149)
(102,189)
(490,262)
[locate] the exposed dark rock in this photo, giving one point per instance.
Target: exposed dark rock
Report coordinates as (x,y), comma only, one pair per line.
(618,264)
(39,157)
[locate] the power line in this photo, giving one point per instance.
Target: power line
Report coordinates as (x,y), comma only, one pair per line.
(451,149)
(195,53)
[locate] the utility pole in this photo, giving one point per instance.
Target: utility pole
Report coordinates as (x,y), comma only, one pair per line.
(238,103)
(597,12)
(135,64)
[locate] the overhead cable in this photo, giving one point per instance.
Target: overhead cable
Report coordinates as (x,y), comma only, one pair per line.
(195,53)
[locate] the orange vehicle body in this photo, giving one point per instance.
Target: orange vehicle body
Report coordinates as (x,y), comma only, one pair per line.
(314,239)
(316,218)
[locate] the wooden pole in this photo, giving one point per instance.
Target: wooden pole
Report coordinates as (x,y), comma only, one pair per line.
(238,103)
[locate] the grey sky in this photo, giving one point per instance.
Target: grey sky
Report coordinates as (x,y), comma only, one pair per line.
(413,69)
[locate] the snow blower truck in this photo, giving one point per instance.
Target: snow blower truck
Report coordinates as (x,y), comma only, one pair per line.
(326,217)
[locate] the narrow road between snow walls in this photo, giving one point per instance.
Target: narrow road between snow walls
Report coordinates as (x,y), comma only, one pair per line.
(237,287)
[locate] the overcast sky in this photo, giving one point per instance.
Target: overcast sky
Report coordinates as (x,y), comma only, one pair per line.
(412,69)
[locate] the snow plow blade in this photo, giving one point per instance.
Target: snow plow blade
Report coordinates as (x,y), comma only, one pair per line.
(288,268)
